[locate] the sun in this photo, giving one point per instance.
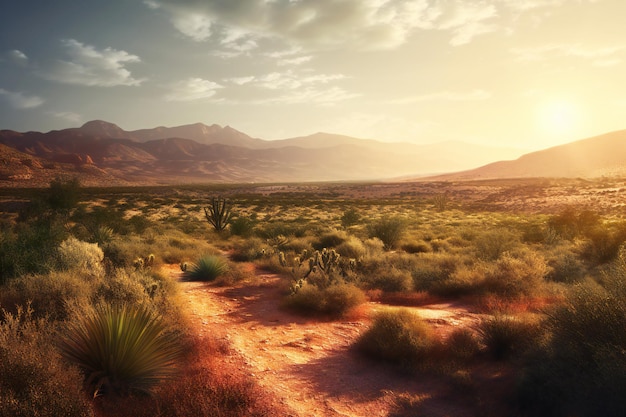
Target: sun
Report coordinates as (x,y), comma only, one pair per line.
(559,117)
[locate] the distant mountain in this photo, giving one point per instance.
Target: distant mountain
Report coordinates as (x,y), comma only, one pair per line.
(598,156)
(201,153)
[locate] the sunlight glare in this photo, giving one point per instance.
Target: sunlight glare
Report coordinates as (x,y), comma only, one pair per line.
(559,117)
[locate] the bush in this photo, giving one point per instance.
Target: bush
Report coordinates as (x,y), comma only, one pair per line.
(462,344)
(493,244)
(513,277)
(398,336)
(208,268)
(505,335)
(331,239)
(335,300)
(389,280)
(49,295)
(242,226)
(581,370)
(350,217)
(389,230)
(352,248)
(81,256)
(121,349)
(34,381)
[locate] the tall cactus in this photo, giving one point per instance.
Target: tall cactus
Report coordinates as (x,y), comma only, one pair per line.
(218,214)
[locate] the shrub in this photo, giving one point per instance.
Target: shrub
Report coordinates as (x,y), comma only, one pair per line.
(492,244)
(334,300)
(513,277)
(49,295)
(82,256)
(417,247)
(462,344)
(581,370)
(330,239)
(389,280)
(242,226)
(389,230)
(352,248)
(505,335)
(208,268)
(121,349)
(350,217)
(398,336)
(34,381)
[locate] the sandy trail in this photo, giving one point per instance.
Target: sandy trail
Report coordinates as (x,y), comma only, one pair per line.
(307,364)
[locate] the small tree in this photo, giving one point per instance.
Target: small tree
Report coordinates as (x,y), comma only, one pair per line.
(218,214)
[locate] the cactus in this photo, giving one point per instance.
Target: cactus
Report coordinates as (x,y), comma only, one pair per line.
(218,214)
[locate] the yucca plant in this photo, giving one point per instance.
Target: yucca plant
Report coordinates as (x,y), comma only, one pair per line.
(208,268)
(121,349)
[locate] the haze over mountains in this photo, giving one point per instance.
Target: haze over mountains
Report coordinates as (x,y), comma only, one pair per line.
(102,153)
(201,153)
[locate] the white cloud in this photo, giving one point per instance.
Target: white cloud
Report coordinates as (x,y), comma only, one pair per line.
(600,56)
(92,67)
(362,24)
(68,115)
(193,25)
(19,100)
(474,95)
(192,89)
(313,95)
(241,80)
(18,57)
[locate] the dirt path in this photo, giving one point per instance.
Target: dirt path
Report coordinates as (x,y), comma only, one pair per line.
(309,364)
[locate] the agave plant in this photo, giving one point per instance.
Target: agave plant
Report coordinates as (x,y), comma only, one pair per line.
(121,349)
(208,268)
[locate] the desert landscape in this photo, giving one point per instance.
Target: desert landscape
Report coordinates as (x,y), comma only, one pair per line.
(439,298)
(339,208)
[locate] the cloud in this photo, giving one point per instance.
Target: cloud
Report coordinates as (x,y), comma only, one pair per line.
(20,101)
(18,57)
(92,67)
(474,95)
(192,89)
(313,95)
(67,115)
(602,56)
(467,20)
(361,24)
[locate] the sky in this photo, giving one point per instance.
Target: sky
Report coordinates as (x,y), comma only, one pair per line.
(526,74)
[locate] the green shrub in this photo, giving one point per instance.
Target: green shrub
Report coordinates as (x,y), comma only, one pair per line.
(567,268)
(208,268)
(505,335)
(352,248)
(242,226)
(50,295)
(581,370)
(121,349)
(462,344)
(398,336)
(335,300)
(389,280)
(330,239)
(81,256)
(514,277)
(34,380)
(493,244)
(389,230)
(417,247)
(350,217)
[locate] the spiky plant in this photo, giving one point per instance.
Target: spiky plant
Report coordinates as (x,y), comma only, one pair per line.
(208,268)
(121,349)
(218,213)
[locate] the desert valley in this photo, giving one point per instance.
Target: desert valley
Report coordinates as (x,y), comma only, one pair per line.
(193,271)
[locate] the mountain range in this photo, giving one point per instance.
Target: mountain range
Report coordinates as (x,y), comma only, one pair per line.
(102,153)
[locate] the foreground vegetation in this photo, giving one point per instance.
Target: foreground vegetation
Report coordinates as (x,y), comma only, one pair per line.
(80,274)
